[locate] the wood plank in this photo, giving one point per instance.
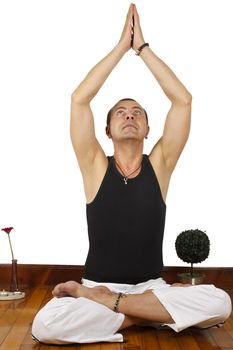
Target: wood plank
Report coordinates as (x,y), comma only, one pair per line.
(94,346)
(228,326)
(110,346)
(204,339)
(22,322)
(149,339)
(47,297)
(130,347)
(58,347)
(9,317)
(221,337)
(4,305)
(186,341)
(167,339)
(30,347)
(28,340)
(131,341)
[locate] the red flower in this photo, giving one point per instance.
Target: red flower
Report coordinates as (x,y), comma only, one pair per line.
(7,229)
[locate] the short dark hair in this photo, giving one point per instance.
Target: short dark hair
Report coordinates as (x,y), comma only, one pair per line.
(123,99)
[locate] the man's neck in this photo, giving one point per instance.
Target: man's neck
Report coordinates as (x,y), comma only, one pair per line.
(128,156)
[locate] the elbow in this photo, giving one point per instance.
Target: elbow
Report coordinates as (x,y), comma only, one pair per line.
(187,99)
(78,98)
(183,99)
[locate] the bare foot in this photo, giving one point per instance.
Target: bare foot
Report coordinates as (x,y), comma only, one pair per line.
(71,288)
(74,289)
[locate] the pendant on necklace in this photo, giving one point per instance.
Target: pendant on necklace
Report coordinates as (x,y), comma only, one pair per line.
(125,179)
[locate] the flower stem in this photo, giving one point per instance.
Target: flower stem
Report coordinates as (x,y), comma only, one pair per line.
(11,247)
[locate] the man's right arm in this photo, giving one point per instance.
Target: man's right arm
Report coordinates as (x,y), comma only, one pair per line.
(87,148)
(83,136)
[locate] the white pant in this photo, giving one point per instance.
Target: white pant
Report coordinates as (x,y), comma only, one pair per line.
(80,320)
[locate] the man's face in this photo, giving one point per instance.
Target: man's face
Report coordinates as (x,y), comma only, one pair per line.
(128,121)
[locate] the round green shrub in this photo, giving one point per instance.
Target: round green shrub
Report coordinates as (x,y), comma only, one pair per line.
(192,246)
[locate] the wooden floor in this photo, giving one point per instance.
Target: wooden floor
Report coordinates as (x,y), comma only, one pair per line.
(16,318)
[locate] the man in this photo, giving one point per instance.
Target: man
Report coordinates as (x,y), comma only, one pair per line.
(126,209)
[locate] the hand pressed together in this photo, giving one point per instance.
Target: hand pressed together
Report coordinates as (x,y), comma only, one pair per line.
(132,33)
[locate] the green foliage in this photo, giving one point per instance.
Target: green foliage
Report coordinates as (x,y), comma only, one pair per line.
(192,246)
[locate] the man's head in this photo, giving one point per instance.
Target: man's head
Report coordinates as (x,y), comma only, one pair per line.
(127,119)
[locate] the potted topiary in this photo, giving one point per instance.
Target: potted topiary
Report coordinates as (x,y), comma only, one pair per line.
(192,246)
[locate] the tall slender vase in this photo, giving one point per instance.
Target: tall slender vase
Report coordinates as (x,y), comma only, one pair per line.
(14,280)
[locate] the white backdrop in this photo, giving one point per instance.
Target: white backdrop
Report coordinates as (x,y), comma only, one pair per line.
(47,48)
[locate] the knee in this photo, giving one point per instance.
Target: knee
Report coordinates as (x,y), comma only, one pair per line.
(216,309)
(42,330)
(38,327)
(220,305)
(224,305)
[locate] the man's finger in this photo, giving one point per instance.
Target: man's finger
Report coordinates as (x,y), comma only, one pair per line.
(130,11)
(136,13)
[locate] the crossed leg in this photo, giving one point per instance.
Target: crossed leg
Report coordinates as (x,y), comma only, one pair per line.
(86,315)
(138,308)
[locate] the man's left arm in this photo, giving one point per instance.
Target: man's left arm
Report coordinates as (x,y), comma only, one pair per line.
(177,125)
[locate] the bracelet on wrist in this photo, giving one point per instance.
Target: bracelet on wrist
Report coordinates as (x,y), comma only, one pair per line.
(139,50)
(120,295)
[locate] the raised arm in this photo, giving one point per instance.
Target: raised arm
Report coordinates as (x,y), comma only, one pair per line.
(88,150)
(177,125)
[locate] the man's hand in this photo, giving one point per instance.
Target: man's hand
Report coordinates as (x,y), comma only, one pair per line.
(138,39)
(126,36)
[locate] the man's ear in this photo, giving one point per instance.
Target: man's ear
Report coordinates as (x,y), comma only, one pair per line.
(148,130)
(107,130)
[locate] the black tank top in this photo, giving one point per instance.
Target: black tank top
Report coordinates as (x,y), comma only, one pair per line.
(125,228)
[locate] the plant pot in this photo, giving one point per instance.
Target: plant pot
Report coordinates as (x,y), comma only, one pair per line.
(194,279)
